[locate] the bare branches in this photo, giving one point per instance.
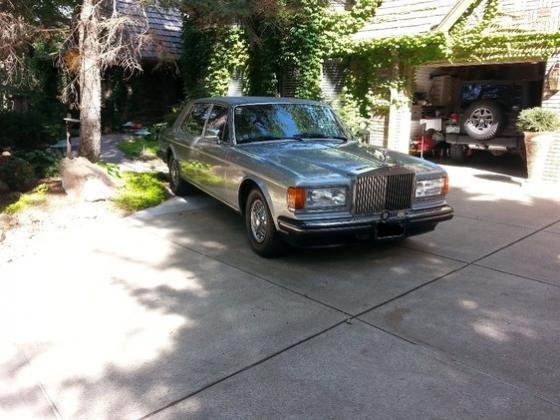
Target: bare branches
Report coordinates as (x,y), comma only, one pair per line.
(122,37)
(121,33)
(15,34)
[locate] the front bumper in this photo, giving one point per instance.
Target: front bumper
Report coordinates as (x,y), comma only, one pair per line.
(388,225)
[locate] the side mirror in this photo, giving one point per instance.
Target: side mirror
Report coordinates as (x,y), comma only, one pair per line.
(212,134)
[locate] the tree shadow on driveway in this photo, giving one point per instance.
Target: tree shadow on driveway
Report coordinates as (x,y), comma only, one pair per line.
(150,311)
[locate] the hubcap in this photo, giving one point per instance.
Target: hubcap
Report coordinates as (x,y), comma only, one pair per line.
(481,119)
(259,220)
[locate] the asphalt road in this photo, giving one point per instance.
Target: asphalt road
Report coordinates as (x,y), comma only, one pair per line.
(169,315)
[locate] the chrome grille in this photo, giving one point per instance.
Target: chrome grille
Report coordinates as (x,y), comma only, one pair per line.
(375,193)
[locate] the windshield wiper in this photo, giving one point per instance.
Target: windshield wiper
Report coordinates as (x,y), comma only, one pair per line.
(267,138)
(319,136)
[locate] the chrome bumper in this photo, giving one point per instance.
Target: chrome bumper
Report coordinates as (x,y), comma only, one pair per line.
(412,222)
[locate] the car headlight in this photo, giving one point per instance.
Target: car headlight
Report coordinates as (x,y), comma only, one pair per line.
(317,198)
(432,187)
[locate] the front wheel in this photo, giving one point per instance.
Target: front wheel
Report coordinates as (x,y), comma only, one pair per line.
(263,236)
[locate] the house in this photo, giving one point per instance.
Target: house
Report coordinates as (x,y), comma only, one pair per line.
(396,19)
(149,95)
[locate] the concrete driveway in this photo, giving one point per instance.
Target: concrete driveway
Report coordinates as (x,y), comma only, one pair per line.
(169,315)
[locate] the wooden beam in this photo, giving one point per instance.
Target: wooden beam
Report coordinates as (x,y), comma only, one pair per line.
(454,15)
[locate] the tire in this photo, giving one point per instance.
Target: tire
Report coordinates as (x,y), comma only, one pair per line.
(458,153)
(261,231)
(483,120)
(178,185)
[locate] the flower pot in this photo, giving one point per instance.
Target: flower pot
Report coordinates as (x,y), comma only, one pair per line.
(537,146)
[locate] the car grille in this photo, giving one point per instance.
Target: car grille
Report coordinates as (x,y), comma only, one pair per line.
(378,192)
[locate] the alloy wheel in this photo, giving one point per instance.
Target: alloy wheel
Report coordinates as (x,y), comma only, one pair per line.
(259,220)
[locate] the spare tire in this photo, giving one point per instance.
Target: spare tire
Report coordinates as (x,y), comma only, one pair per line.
(483,120)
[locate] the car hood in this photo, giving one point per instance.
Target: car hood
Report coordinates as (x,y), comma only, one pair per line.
(332,159)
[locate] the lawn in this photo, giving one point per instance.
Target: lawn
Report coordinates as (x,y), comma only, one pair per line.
(140,190)
(139,147)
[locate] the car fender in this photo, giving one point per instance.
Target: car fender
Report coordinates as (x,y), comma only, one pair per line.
(265,190)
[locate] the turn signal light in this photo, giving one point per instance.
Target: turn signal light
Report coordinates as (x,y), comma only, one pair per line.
(445,189)
(296,198)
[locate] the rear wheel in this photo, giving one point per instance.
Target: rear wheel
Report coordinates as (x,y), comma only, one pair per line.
(178,185)
(484,120)
(263,236)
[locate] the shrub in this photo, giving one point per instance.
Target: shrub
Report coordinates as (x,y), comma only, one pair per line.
(45,162)
(538,120)
(22,130)
(17,173)
(140,191)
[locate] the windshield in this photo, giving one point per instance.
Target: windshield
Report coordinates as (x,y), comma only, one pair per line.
(286,121)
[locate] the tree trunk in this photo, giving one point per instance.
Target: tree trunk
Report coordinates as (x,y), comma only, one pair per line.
(90,82)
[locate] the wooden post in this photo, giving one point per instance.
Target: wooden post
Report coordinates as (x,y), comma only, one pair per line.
(68,142)
(68,121)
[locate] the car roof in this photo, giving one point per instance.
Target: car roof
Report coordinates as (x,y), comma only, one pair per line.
(255,100)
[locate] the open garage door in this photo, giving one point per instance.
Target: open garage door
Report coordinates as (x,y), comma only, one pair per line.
(467,113)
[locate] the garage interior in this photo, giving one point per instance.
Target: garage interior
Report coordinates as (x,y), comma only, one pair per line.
(443,96)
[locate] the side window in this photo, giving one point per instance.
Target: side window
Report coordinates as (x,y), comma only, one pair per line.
(194,123)
(217,124)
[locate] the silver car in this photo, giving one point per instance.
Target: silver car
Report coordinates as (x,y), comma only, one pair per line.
(291,168)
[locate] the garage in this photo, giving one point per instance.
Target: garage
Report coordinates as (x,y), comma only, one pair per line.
(467,113)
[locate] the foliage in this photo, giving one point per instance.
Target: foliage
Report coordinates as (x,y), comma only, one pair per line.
(139,147)
(37,197)
(538,120)
(394,58)
(303,47)
(45,163)
(17,173)
(26,129)
(140,191)
(111,168)
(288,37)
(211,57)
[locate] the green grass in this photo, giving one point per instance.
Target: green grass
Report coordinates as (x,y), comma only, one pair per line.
(37,197)
(140,191)
(111,168)
(139,147)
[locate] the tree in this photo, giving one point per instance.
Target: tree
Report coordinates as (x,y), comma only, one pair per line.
(91,35)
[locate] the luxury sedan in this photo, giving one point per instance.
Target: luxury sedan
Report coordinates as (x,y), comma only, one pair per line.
(291,168)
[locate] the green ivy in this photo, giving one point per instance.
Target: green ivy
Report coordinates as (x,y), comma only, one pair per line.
(210,57)
(299,39)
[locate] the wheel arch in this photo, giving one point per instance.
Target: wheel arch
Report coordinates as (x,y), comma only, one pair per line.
(244,190)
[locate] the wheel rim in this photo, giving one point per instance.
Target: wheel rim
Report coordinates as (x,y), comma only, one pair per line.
(174,172)
(259,220)
(481,119)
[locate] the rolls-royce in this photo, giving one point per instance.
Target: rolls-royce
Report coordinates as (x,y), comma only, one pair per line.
(295,173)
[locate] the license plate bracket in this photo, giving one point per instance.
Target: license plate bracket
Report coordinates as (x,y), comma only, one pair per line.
(390,230)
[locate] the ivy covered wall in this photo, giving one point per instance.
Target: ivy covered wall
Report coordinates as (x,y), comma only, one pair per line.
(296,41)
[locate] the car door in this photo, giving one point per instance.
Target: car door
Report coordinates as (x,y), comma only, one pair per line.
(187,137)
(212,152)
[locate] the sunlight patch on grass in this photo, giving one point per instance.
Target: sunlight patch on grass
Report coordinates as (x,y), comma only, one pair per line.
(139,147)
(140,191)
(37,197)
